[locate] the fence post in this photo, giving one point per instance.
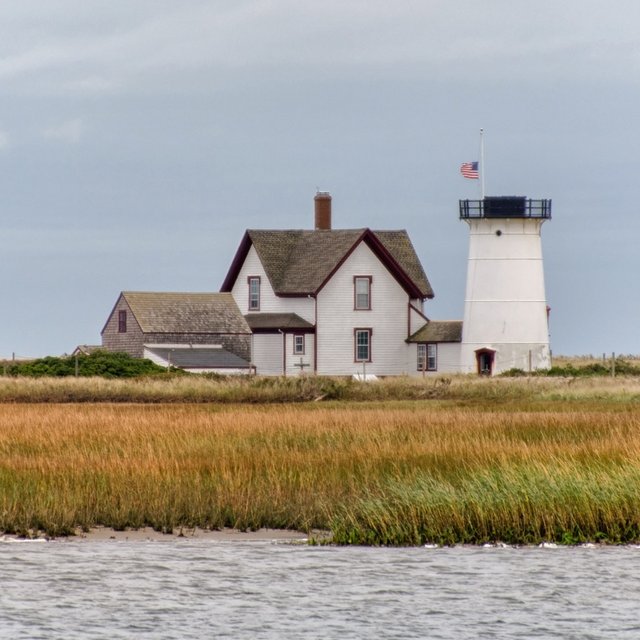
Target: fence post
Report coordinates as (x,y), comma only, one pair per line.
(613,364)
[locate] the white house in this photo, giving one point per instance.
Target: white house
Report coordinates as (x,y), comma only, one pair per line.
(336,301)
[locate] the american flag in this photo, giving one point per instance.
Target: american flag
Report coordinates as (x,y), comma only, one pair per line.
(469,170)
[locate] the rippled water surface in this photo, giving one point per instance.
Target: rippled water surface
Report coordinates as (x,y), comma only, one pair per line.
(204,589)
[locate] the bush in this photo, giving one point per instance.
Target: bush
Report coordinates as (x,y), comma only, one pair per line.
(514,373)
(99,363)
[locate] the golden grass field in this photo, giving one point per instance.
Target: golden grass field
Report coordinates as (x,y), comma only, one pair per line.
(519,461)
(603,358)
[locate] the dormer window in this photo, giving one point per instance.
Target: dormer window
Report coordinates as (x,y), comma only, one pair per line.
(254,293)
(122,321)
(362,293)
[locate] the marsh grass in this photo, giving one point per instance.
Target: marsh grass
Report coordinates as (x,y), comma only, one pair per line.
(372,472)
(259,390)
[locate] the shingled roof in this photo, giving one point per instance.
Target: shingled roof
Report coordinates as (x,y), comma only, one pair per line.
(300,262)
(439,331)
(197,357)
(272,321)
(186,312)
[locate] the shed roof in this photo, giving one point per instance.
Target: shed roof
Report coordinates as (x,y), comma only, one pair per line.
(198,357)
(439,331)
(300,262)
(159,312)
(275,321)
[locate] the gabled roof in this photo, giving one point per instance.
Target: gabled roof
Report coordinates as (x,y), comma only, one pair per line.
(86,349)
(439,331)
(300,262)
(277,321)
(186,312)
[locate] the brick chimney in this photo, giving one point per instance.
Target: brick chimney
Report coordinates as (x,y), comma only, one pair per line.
(322,202)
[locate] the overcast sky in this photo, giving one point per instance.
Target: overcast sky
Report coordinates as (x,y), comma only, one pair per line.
(140,138)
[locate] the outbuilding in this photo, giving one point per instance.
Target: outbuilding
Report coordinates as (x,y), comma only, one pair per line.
(199,332)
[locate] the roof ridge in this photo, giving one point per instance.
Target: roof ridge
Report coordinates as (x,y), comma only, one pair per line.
(300,261)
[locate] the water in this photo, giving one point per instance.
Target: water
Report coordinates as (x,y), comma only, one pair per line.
(203,589)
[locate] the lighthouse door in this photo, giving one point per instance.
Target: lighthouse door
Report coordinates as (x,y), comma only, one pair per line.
(484,359)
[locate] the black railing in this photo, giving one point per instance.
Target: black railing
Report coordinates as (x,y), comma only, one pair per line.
(505,207)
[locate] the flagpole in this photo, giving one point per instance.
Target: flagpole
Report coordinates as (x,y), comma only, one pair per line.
(482,164)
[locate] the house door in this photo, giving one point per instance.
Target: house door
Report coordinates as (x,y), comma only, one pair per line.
(484,359)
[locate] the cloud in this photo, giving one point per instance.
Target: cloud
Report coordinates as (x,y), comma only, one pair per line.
(118,47)
(4,139)
(92,84)
(69,131)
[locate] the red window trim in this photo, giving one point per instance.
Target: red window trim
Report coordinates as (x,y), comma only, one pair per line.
(426,346)
(304,344)
(369,330)
(249,279)
(355,294)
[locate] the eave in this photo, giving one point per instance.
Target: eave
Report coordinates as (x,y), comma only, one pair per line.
(236,264)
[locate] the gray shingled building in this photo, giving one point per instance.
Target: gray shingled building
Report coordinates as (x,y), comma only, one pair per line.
(192,331)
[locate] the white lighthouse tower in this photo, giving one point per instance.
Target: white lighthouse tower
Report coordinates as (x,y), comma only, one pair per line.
(505,322)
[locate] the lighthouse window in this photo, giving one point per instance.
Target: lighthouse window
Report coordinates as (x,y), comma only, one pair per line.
(427,357)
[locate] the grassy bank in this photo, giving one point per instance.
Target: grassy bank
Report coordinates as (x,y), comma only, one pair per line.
(372,473)
(259,390)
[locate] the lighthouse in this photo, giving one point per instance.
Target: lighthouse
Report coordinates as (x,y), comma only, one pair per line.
(505,322)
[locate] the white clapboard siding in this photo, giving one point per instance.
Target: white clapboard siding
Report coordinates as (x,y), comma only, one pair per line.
(337,319)
(294,359)
(268,354)
(448,360)
(449,357)
(269,302)
(416,318)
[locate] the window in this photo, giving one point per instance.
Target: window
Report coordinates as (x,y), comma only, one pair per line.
(362,292)
(122,321)
(432,357)
(427,357)
(362,339)
(298,345)
(254,293)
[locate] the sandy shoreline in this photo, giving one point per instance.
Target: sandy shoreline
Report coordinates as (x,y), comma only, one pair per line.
(147,534)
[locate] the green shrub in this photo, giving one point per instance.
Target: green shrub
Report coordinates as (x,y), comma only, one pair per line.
(99,363)
(514,373)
